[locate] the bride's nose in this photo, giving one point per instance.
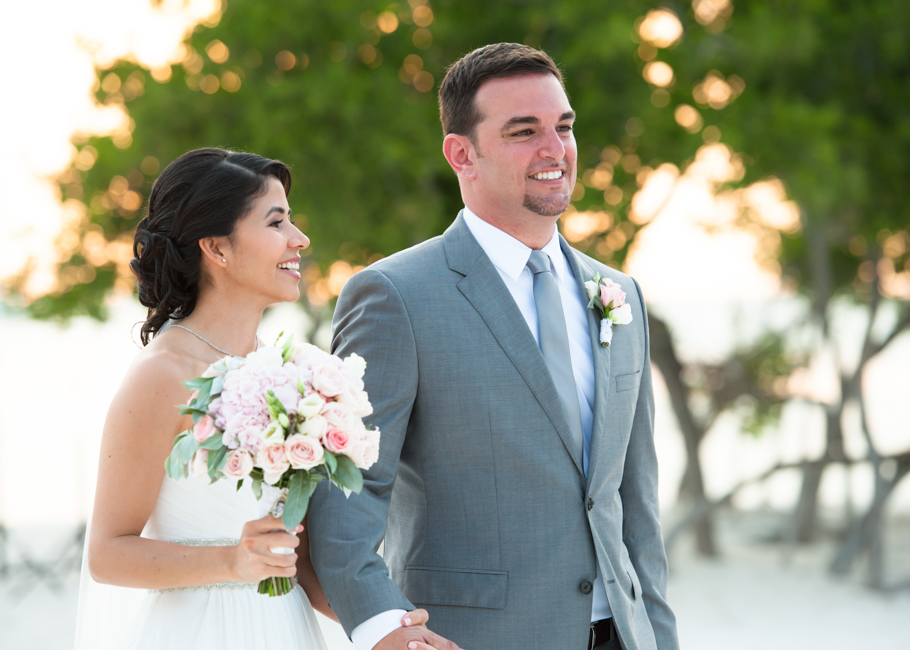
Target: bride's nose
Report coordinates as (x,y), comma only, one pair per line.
(298,240)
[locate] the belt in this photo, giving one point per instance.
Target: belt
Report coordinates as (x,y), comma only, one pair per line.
(601,633)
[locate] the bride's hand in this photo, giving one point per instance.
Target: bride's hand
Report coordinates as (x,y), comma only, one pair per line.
(253,560)
(415,617)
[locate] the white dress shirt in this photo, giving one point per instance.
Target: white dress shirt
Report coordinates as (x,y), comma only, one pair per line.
(510,257)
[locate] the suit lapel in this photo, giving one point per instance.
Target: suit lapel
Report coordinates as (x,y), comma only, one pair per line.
(583,272)
(484,289)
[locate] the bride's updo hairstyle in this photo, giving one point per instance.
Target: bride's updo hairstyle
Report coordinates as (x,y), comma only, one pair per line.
(201,194)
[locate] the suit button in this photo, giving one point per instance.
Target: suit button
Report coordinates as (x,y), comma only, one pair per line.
(586,587)
(590,504)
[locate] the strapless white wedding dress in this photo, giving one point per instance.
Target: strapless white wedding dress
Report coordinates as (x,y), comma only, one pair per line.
(225,616)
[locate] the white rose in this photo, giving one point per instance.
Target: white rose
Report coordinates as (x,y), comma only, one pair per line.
(591,289)
(199,466)
(314,427)
(355,366)
(273,434)
(621,315)
(328,380)
(310,405)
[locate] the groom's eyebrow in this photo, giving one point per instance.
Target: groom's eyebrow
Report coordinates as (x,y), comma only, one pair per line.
(530,119)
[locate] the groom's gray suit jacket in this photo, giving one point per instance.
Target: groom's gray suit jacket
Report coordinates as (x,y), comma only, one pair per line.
(488,520)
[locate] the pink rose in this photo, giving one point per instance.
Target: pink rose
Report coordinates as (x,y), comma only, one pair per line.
(274,462)
(610,292)
(204,429)
(328,380)
(199,466)
(239,464)
(339,416)
(303,452)
(338,441)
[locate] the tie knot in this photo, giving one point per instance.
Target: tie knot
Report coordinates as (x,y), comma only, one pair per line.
(539,262)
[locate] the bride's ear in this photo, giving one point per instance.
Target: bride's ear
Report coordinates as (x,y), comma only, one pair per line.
(213,250)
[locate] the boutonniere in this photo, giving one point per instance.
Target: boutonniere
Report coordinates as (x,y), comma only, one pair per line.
(609,300)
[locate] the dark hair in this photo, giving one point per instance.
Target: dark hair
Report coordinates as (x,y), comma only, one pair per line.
(457,109)
(201,194)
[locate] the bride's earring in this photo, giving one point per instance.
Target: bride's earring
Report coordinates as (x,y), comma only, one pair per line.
(224,260)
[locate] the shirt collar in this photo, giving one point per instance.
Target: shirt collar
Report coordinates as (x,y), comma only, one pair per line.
(507,253)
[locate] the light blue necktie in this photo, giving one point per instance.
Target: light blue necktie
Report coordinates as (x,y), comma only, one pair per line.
(554,340)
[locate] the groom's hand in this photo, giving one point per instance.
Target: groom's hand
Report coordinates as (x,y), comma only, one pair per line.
(415,635)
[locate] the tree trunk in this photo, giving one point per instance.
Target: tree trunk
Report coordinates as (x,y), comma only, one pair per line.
(692,487)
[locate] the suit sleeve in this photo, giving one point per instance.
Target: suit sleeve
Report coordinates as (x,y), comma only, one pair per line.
(372,321)
(641,523)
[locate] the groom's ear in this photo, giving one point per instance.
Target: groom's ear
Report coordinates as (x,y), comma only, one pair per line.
(460,152)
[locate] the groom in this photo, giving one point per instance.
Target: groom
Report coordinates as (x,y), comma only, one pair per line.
(516,489)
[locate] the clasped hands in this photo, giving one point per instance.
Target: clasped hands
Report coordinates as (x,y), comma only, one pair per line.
(414,635)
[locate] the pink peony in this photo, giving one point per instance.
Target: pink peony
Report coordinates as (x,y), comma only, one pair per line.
(303,452)
(338,441)
(239,464)
(611,295)
(274,462)
(204,429)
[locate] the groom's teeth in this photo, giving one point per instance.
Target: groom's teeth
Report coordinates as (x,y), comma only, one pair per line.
(294,266)
(548,176)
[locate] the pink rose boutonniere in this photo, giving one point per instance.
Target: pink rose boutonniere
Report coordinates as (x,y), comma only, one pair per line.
(609,300)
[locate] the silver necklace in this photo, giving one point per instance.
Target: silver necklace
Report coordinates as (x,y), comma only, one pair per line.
(205,340)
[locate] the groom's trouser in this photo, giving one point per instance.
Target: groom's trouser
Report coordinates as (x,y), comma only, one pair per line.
(603,636)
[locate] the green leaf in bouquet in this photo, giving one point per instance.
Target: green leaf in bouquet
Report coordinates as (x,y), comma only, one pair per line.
(256,487)
(331,462)
(276,408)
(217,460)
(197,382)
(239,484)
(213,442)
(348,475)
(287,350)
(185,446)
(217,385)
(299,492)
(284,420)
(187,409)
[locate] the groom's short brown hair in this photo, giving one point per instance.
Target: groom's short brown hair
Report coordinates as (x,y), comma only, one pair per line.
(457,109)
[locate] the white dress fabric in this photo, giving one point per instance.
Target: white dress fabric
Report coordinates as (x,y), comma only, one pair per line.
(212,617)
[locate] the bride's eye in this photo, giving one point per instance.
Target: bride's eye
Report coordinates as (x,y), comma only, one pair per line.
(276,224)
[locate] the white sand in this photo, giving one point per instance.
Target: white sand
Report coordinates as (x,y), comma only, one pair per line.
(748,600)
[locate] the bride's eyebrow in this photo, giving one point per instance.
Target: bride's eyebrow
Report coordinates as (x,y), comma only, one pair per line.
(275,208)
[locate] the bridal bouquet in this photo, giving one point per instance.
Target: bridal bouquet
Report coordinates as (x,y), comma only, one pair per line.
(286,415)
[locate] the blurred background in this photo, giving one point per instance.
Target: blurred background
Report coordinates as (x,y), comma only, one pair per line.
(747,162)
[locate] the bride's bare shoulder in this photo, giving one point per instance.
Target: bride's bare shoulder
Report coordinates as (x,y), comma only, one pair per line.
(159,370)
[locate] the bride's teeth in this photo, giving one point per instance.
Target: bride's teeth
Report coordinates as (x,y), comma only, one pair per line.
(294,266)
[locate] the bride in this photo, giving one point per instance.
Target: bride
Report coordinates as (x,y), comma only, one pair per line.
(217,248)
